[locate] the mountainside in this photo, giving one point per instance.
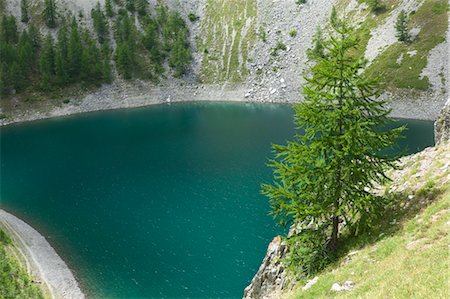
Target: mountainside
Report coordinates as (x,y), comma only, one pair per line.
(257,50)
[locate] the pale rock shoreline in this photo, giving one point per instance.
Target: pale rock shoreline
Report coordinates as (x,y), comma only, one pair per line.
(41,259)
(121,94)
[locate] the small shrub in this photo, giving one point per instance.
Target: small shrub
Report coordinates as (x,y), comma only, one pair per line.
(293,33)
(262,34)
(376,6)
(300,2)
(193,18)
(280,46)
(308,253)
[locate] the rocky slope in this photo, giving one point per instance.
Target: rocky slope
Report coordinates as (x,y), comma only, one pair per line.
(442,125)
(236,44)
(414,174)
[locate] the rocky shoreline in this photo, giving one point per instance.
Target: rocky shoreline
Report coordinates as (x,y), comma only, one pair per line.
(122,94)
(42,260)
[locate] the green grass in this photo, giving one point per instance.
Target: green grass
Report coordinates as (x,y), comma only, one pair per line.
(432,19)
(225,58)
(408,263)
(14,281)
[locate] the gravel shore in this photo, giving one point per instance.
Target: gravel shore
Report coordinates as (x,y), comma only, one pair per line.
(121,94)
(42,260)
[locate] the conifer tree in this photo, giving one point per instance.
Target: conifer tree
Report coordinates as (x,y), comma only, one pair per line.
(100,23)
(141,7)
(323,179)
(108,8)
(91,63)
(151,41)
(106,63)
(401,26)
(24,11)
(47,63)
(24,59)
(126,46)
(8,30)
(35,37)
(130,5)
(62,57)
(2,79)
(74,51)
(180,56)
(318,49)
(50,13)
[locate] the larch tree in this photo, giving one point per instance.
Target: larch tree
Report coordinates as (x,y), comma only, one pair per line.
(47,63)
(50,13)
(323,179)
(401,26)
(24,11)
(109,9)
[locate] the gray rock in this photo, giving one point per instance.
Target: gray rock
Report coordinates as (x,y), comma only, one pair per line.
(442,125)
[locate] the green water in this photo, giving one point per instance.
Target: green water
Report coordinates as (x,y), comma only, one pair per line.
(155,202)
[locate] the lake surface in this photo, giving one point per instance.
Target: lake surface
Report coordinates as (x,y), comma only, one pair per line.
(154,202)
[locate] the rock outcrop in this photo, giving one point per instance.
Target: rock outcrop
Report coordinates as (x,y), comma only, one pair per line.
(271,277)
(442,125)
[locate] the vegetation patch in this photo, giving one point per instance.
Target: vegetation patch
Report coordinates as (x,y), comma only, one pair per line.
(14,281)
(407,259)
(228,33)
(405,72)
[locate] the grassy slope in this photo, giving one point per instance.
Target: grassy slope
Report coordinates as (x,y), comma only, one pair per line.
(407,255)
(224,58)
(14,280)
(432,18)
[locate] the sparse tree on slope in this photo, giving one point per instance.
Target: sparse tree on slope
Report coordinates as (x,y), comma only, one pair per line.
(401,26)
(322,179)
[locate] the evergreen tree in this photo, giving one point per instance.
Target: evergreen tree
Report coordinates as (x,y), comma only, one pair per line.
(130,5)
(35,37)
(322,179)
(141,7)
(75,51)
(124,60)
(100,23)
(24,11)
(151,41)
(106,63)
(8,30)
(24,59)
(108,8)
(318,48)
(3,89)
(401,26)
(180,56)
(62,61)
(91,63)
(47,63)
(50,13)
(126,46)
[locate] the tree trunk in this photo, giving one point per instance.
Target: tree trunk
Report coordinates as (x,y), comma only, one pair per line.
(334,234)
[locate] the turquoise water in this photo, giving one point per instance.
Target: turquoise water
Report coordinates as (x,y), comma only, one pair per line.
(154,202)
